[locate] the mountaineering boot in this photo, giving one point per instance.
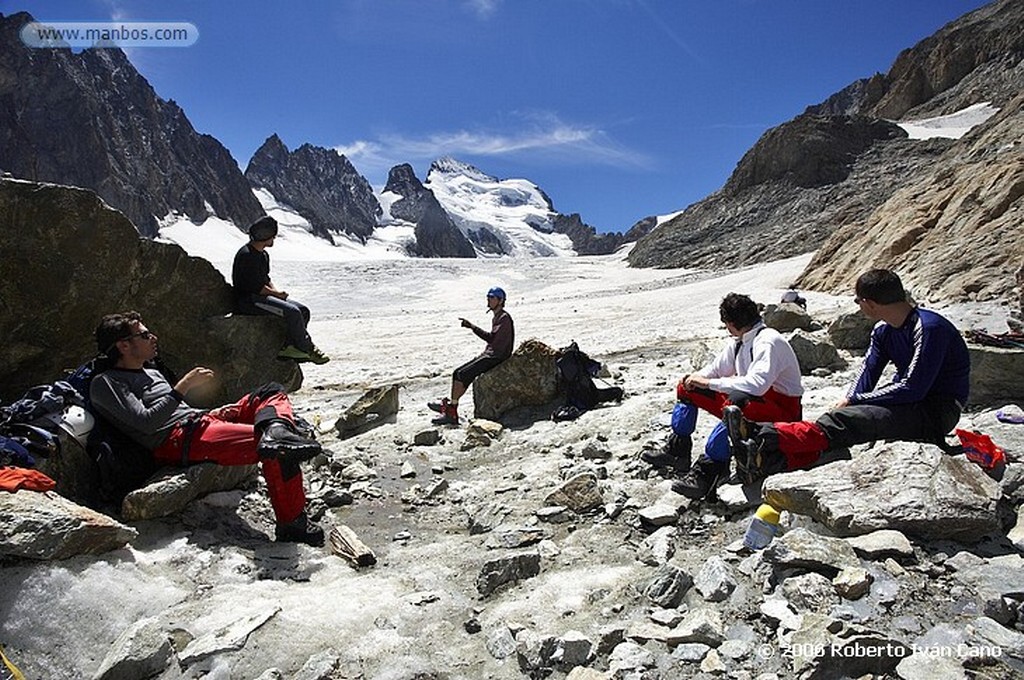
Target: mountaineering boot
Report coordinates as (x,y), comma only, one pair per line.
(674,454)
(438,406)
(739,428)
(449,415)
(702,479)
(281,441)
(318,357)
(761,461)
(300,530)
(294,353)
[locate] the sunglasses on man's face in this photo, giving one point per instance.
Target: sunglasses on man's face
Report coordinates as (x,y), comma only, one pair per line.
(145,335)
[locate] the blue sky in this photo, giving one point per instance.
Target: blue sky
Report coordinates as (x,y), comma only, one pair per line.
(617,109)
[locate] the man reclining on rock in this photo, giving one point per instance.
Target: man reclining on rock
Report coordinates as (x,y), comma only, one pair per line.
(922,403)
(259,427)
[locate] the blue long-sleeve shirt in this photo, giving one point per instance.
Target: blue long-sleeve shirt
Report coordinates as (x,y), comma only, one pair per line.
(930,357)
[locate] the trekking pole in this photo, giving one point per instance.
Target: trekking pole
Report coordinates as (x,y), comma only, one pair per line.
(15,673)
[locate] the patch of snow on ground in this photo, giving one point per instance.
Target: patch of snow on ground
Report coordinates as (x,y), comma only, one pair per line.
(951,126)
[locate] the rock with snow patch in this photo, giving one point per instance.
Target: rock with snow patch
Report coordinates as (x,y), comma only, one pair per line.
(910,487)
(534,651)
(629,659)
(527,379)
(572,649)
(45,526)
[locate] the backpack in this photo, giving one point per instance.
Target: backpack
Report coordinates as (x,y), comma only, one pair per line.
(576,371)
(123,464)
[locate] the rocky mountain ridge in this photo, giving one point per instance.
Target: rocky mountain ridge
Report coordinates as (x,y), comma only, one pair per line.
(89,119)
(841,169)
(318,183)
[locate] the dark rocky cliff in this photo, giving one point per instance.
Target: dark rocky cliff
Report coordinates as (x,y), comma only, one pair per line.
(90,120)
(321,184)
(841,169)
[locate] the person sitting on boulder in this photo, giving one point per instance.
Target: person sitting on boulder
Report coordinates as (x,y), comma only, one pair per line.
(757,372)
(794,297)
(256,294)
(922,403)
(259,427)
(500,342)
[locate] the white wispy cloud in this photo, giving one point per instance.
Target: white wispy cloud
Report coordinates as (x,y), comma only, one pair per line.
(543,138)
(483,8)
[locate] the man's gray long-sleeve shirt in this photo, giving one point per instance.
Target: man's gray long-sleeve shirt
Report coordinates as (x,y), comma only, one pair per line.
(140,403)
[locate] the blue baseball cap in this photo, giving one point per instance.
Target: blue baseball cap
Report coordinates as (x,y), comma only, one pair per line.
(496,292)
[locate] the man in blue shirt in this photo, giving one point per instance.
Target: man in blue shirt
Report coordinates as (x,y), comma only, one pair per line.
(923,401)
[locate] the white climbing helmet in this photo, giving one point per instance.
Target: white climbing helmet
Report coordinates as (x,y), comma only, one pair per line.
(78,423)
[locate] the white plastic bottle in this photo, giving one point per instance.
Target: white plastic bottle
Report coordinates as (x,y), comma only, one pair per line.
(763,527)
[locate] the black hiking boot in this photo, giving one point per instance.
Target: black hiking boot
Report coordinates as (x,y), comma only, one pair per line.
(280,441)
(674,454)
(739,428)
(300,530)
(756,460)
(702,479)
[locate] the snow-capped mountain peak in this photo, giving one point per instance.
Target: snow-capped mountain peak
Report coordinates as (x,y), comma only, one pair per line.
(499,216)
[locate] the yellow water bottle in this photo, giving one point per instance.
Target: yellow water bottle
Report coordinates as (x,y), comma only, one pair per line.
(763,527)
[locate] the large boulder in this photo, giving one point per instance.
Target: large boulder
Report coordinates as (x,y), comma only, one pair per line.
(996,375)
(851,330)
(788,316)
(68,259)
(174,488)
(46,526)
(814,352)
(909,487)
(528,378)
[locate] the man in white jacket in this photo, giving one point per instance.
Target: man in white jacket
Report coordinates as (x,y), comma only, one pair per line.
(756,371)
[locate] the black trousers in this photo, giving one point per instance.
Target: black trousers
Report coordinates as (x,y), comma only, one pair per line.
(924,421)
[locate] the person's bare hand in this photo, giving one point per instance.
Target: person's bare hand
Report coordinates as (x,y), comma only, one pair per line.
(465,323)
(842,403)
(196,377)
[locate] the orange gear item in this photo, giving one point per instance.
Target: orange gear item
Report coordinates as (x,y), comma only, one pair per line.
(980,449)
(14,478)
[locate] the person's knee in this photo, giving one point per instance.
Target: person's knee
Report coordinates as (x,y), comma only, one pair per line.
(717,446)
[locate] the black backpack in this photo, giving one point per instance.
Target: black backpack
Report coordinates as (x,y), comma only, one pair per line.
(123,464)
(576,373)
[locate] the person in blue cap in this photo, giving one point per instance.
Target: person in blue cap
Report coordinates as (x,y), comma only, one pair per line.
(500,342)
